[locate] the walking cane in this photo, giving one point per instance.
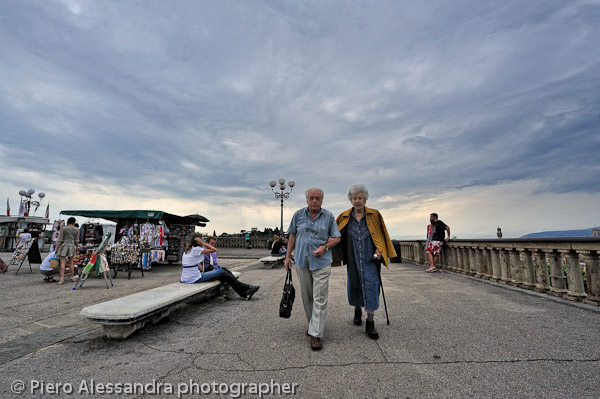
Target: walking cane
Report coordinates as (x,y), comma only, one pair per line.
(383,293)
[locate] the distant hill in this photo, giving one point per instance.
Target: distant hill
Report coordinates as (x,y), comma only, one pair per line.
(561,233)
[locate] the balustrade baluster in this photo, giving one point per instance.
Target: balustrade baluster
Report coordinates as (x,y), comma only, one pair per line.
(576,290)
(542,280)
(459,260)
(496,267)
(455,264)
(557,274)
(478,262)
(528,270)
(504,266)
(487,263)
(467,260)
(516,273)
(592,270)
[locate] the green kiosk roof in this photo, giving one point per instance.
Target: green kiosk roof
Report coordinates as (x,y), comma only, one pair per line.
(115,216)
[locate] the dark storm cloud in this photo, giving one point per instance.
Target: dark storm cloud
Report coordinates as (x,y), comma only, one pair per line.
(207,98)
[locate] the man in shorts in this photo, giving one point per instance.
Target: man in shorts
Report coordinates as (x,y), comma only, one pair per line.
(434,246)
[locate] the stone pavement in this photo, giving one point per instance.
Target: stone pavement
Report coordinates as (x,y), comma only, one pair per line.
(450,336)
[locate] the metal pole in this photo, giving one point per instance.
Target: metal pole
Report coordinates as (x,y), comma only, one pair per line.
(281,231)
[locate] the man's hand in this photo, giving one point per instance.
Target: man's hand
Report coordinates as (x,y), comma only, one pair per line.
(319,251)
(287,263)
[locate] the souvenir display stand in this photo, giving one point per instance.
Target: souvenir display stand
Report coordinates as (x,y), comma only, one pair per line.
(98,264)
(145,237)
(25,249)
(126,256)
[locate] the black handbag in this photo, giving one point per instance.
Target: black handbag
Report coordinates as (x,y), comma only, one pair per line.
(287,299)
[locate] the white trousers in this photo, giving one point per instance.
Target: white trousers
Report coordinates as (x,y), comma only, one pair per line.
(314,288)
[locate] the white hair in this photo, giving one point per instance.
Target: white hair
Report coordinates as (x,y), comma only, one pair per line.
(308,190)
(358,188)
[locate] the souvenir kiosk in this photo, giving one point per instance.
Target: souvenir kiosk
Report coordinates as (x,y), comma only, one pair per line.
(144,237)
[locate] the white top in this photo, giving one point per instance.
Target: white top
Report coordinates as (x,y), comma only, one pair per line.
(190,261)
(45,266)
(25,236)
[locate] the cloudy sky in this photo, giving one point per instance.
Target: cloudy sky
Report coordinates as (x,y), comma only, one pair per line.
(486,112)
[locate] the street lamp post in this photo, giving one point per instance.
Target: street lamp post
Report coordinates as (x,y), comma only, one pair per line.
(282,195)
(27,201)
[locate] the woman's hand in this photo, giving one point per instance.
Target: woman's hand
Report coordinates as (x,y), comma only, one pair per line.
(378,254)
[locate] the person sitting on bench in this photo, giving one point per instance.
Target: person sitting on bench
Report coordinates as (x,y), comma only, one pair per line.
(193,269)
(277,244)
(46,268)
(211,260)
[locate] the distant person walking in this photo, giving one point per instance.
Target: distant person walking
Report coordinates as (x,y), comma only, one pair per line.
(438,239)
(364,245)
(313,232)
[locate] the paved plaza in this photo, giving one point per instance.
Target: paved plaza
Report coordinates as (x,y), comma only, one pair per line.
(450,336)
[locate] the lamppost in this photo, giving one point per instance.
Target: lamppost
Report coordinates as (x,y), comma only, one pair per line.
(282,195)
(27,201)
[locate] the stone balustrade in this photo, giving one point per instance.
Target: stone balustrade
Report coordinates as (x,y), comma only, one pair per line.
(564,267)
(240,242)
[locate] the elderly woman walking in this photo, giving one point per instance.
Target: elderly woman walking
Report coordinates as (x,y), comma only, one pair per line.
(365,244)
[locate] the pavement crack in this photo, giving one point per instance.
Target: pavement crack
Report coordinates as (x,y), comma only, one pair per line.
(382,352)
(170,351)
(200,353)
(240,358)
(428,363)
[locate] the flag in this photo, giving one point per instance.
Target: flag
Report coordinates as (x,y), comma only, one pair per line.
(22,208)
(47,214)
(7,208)
(37,205)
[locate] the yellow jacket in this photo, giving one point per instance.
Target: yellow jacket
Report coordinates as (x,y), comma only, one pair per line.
(379,234)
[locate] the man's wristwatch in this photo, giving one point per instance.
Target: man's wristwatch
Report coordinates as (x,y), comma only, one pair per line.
(326,249)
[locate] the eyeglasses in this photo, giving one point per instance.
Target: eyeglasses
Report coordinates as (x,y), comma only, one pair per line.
(311,230)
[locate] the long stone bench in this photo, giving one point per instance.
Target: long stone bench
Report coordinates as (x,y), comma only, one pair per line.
(121,317)
(273,261)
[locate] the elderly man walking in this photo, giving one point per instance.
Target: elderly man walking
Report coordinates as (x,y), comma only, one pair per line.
(313,231)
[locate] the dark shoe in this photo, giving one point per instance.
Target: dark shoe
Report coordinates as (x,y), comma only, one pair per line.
(315,343)
(370,328)
(357,316)
(251,291)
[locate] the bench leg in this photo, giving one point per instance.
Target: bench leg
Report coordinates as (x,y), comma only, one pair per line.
(122,331)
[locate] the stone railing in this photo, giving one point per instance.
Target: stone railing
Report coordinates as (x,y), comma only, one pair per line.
(240,242)
(564,267)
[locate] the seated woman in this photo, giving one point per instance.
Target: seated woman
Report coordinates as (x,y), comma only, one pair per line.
(276,247)
(192,260)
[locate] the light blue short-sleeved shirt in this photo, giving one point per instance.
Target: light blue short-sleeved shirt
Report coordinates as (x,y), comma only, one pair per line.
(310,235)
